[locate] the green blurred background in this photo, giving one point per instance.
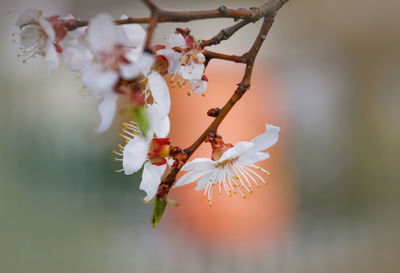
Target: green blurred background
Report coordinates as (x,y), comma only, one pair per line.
(62,208)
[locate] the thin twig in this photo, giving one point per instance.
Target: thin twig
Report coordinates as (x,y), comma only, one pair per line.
(216,55)
(150,31)
(253,14)
(224,34)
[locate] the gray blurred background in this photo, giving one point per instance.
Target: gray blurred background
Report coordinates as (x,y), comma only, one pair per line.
(62,208)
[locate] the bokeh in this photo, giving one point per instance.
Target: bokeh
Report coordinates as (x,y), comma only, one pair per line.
(327,74)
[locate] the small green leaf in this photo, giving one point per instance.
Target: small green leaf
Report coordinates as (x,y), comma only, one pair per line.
(141,119)
(159,207)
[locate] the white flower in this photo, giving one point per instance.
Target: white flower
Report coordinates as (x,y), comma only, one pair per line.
(150,151)
(185,58)
(77,55)
(39,36)
(113,47)
(234,169)
(173,57)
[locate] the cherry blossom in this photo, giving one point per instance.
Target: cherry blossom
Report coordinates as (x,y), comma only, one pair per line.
(231,168)
(112,47)
(41,36)
(185,58)
(150,151)
(117,54)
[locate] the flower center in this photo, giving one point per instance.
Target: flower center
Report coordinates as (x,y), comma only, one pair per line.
(112,59)
(218,149)
(226,162)
(159,149)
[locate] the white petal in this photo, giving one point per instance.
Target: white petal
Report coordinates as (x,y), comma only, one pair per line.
(202,183)
(159,122)
(193,71)
(99,80)
(198,164)
(170,162)
(266,140)
(200,57)
(28,16)
(68,17)
(160,92)
(51,57)
(136,68)
(173,57)
(30,36)
(191,177)
(237,150)
(177,40)
(252,158)
(107,108)
(132,35)
(77,33)
(151,179)
(101,32)
(76,55)
(201,88)
(130,71)
(163,129)
(48,28)
(135,154)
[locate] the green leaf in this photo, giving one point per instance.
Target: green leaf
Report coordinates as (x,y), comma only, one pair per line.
(159,207)
(141,119)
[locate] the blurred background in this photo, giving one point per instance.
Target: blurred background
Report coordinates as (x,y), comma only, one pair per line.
(328,75)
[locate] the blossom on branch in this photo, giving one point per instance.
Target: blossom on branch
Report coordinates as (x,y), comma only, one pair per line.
(231,168)
(41,36)
(149,151)
(117,60)
(185,58)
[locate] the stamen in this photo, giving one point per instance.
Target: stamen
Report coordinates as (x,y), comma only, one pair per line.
(230,183)
(252,178)
(117,153)
(206,189)
(126,137)
(260,169)
(210,192)
(228,192)
(129,133)
(240,179)
(256,174)
(244,176)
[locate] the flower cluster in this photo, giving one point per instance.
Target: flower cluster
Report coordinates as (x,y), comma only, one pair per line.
(115,61)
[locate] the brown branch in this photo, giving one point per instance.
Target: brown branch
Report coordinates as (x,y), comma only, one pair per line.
(216,55)
(150,31)
(243,86)
(252,14)
(224,34)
